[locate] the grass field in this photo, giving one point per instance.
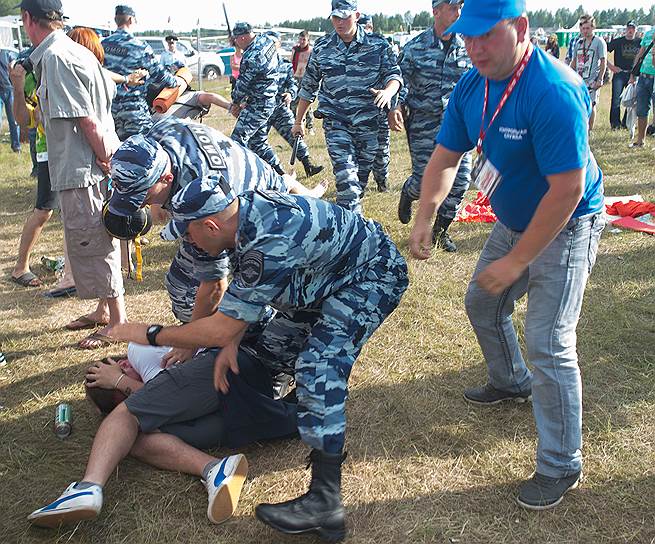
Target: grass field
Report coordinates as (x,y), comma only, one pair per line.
(423,466)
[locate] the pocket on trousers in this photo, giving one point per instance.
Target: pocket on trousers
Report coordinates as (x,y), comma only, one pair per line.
(595,233)
(89,242)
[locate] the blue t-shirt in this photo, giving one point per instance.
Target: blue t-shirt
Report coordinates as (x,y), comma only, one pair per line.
(541,131)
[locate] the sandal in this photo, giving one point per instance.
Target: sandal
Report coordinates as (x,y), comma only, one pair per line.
(29,279)
(96,340)
(85,322)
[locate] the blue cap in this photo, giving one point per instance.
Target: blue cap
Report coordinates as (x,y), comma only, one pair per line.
(125,10)
(435,3)
(480,16)
(343,8)
(241,28)
(364,19)
(200,198)
(135,167)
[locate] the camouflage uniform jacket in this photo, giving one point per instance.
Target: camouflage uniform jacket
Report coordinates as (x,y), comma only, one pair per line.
(258,75)
(342,76)
(286,82)
(430,71)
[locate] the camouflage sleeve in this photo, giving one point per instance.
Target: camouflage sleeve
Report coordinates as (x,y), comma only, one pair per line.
(406,64)
(158,75)
(389,66)
(207,267)
(312,79)
(290,85)
(247,74)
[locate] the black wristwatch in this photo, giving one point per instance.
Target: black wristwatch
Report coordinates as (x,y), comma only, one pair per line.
(152,332)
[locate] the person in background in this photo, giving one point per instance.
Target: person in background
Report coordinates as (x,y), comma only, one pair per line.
(646,75)
(552,46)
(172,59)
(7,58)
(235,63)
(299,58)
(625,49)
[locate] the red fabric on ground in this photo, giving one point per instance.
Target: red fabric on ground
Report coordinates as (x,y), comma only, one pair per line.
(630,209)
(478,211)
(634,224)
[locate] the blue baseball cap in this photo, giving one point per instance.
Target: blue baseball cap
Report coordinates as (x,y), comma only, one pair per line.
(435,3)
(480,16)
(343,8)
(135,167)
(241,28)
(364,19)
(125,10)
(200,198)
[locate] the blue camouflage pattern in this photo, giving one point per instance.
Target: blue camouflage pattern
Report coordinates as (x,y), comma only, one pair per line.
(343,8)
(430,71)
(342,76)
(241,28)
(257,88)
(283,118)
(198,151)
(333,276)
(124,54)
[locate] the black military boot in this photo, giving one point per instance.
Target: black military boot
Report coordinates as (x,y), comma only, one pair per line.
(319,510)
(279,169)
(440,236)
(404,208)
(311,169)
(383,187)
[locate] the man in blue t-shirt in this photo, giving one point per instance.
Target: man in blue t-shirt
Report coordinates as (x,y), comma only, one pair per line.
(546,189)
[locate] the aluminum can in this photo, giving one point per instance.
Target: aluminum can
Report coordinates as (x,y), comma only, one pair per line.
(63,420)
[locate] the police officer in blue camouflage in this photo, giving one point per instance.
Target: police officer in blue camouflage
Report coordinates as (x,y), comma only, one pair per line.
(254,93)
(381,161)
(152,168)
(355,75)
(432,64)
(282,118)
(125,54)
(335,275)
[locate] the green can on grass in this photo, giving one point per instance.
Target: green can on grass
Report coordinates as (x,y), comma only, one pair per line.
(63,421)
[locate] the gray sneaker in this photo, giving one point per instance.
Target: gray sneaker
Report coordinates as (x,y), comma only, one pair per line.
(543,492)
(488,395)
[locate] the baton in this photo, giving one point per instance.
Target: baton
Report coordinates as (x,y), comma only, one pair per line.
(294,150)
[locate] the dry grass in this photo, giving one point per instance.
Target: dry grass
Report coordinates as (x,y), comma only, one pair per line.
(423,466)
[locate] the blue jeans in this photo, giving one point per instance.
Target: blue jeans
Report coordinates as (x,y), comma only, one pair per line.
(7,97)
(555,284)
(619,82)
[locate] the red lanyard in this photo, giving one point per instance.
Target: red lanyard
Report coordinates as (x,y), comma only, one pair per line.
(503,99)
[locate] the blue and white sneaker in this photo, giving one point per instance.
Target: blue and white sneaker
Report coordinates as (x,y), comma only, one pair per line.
(224,483)
(72,506)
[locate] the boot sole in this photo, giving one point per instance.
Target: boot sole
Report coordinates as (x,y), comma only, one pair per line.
(328,535)
(54,520)
(540,508)
(517,400)
(225,502)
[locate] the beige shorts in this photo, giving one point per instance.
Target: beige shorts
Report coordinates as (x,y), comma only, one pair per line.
(95,257)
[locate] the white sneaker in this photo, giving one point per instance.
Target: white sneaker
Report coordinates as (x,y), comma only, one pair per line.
(224,483)
(72,506)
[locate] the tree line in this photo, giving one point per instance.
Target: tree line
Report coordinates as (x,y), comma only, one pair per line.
(562,17)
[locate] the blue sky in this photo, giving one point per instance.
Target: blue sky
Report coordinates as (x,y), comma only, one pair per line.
(185,13)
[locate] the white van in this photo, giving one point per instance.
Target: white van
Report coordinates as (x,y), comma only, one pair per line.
(211,64)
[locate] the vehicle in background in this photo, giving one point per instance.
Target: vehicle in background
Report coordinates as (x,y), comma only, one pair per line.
(211,64)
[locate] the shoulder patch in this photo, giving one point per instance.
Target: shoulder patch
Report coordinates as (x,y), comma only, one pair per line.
(203,137)
(251,267)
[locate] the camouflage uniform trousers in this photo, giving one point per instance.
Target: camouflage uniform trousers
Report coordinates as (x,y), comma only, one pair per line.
(335,334)
(352,151)
(130,117)
(282,120)
(251,131)
(421,133)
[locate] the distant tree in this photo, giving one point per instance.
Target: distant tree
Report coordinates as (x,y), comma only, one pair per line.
(7,7)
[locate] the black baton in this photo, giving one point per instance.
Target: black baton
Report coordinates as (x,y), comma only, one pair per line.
(294,151)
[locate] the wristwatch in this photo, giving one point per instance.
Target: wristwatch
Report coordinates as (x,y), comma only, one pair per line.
(152,332)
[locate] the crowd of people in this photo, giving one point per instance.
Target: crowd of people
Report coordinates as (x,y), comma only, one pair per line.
(274,286)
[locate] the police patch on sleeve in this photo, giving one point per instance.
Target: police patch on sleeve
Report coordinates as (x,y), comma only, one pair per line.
(251,267)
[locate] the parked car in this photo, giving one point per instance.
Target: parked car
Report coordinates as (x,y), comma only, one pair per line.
(211,64)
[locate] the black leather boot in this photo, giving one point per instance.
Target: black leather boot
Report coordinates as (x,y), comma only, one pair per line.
(311,169)
(440,236)
(319,510)
(404,208)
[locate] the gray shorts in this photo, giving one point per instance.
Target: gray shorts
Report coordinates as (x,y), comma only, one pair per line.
(182,401)
(95,257)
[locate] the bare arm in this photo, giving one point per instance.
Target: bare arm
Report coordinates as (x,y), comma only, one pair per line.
(207,99)
(437,181)
(551,216)
(208,297)
(96,137)
(21,111)
(301,110)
